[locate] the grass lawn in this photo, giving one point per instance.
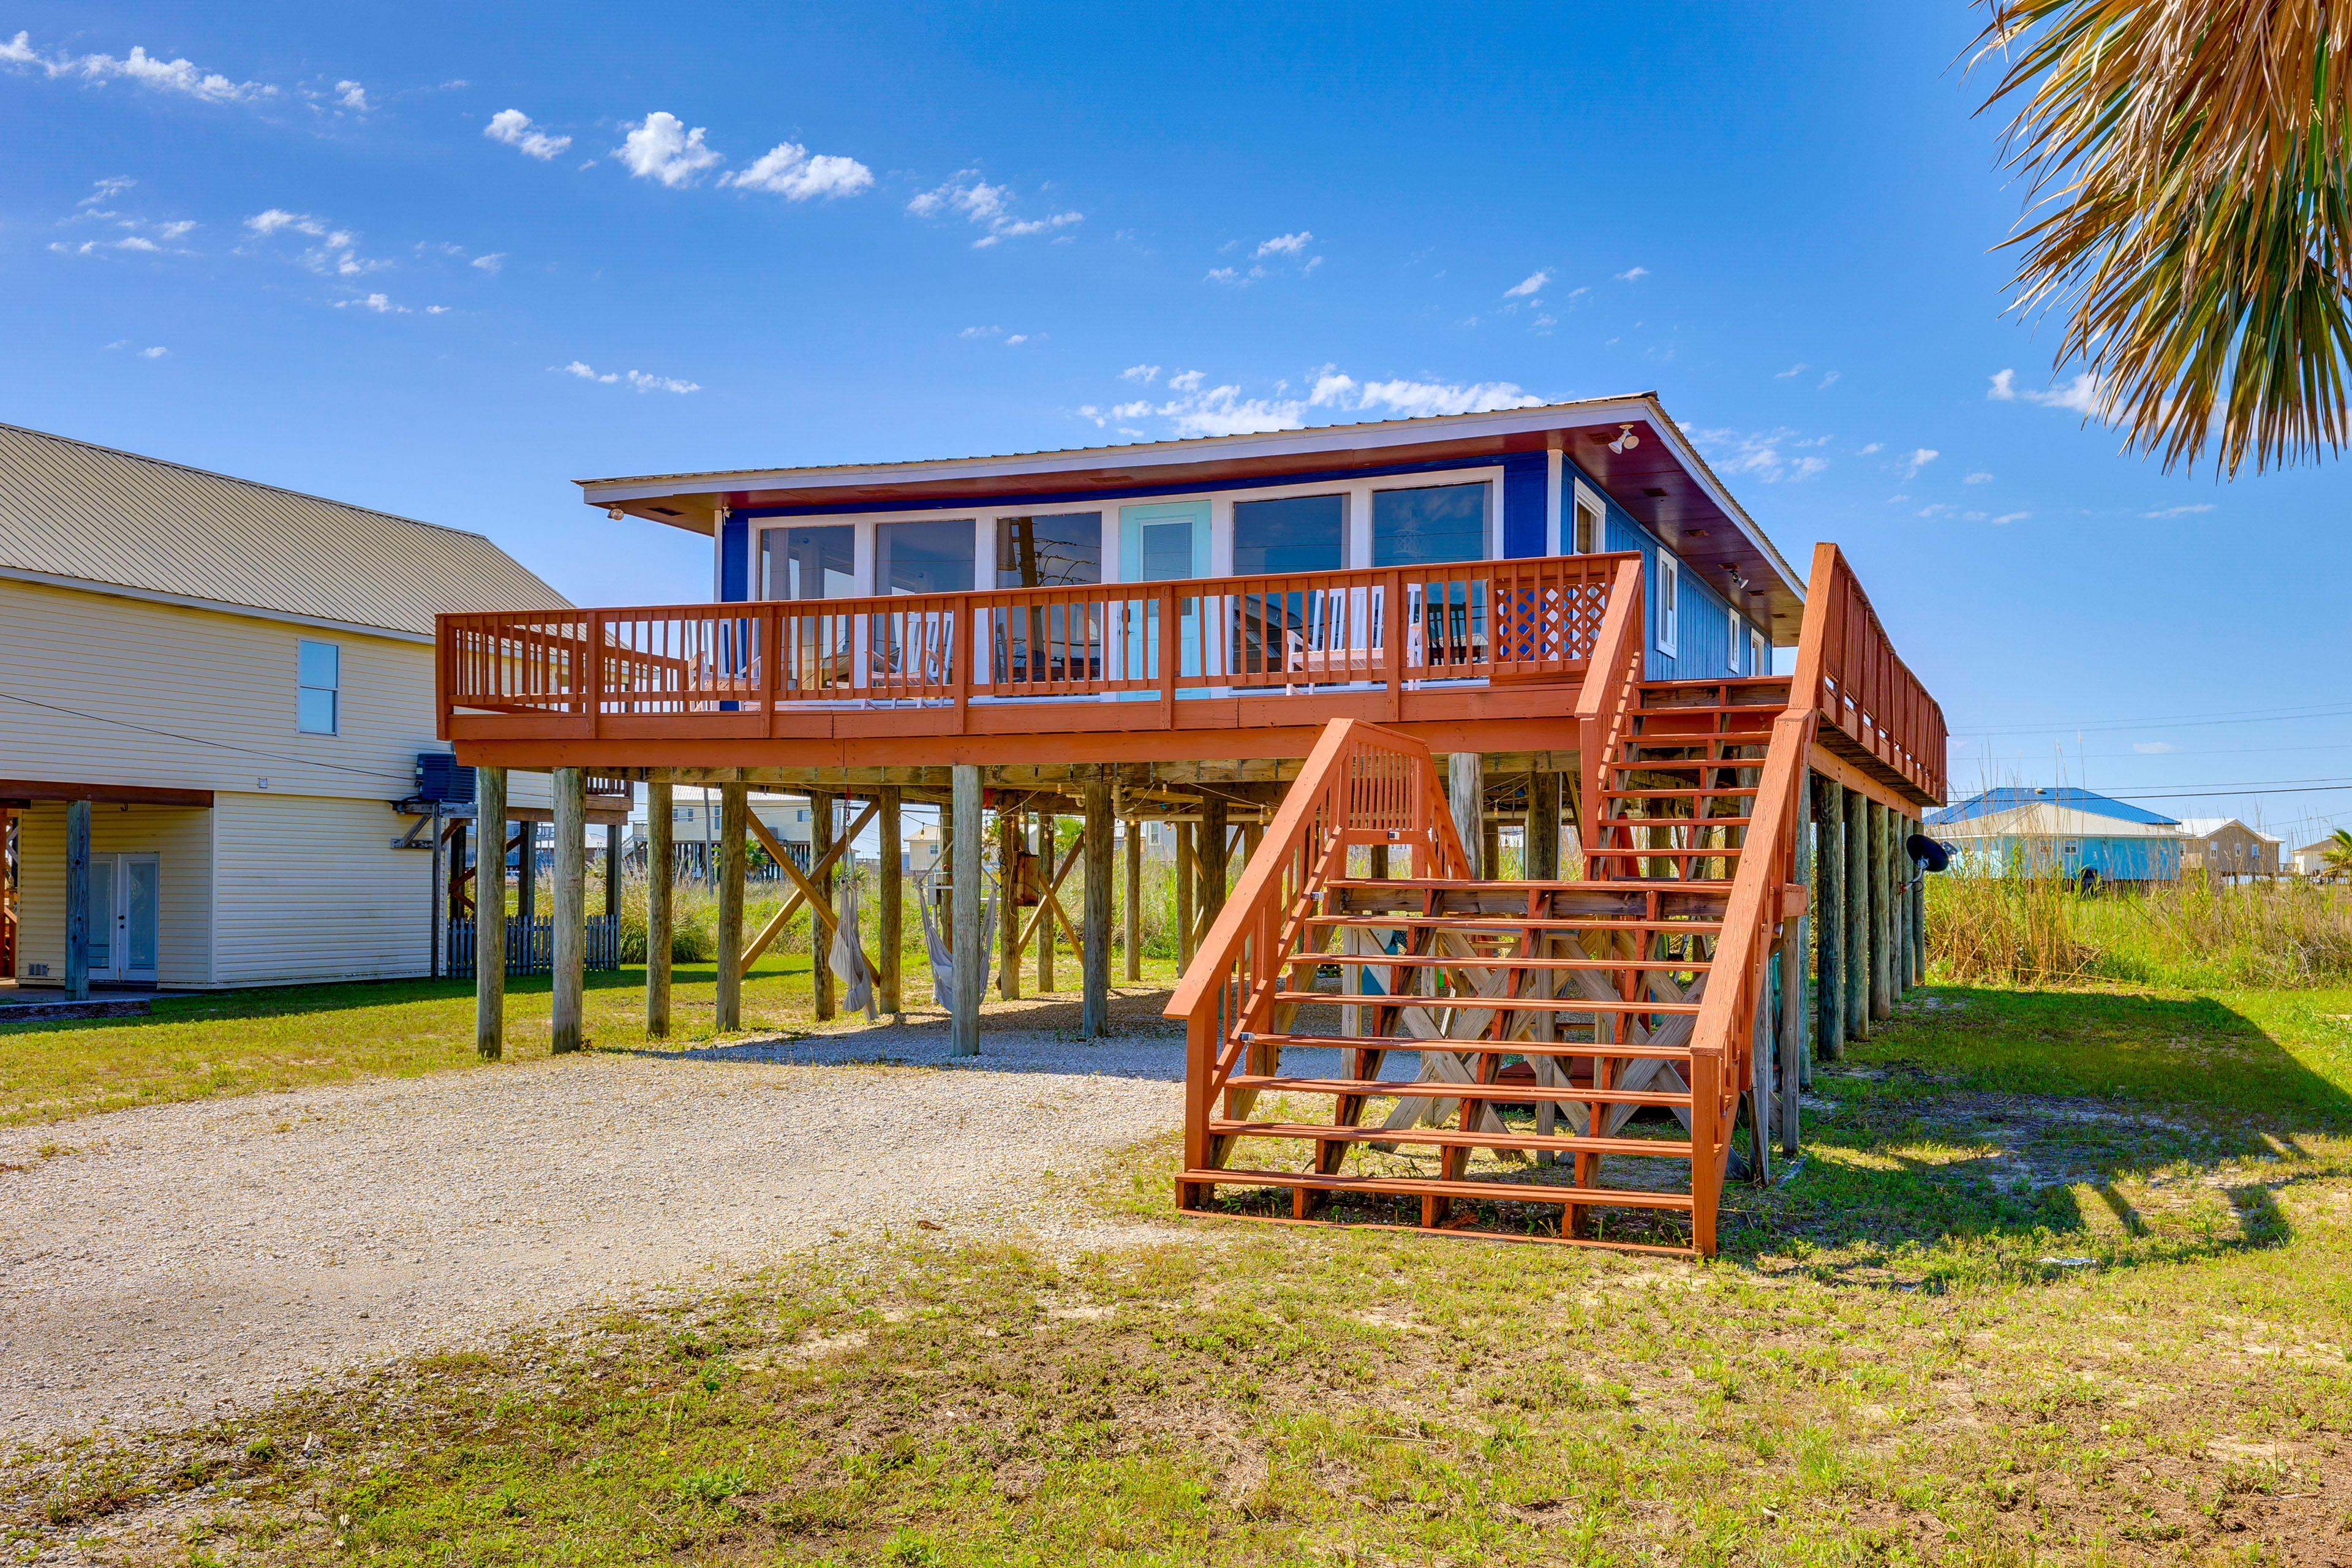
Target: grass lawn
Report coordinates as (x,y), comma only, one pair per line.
(2065,1277)
(242,1042)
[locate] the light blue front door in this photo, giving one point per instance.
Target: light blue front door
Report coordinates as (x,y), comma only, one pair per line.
(1159,542)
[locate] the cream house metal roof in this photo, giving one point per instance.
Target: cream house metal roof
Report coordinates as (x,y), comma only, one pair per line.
(79,513)
(2048,821)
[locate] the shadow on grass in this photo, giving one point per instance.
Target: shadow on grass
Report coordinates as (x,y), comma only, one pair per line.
(2119,1128)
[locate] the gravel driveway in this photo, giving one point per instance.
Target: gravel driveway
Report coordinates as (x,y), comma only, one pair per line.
(192,1257)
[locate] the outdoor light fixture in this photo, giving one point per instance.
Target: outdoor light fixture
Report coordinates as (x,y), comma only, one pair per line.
(616,513)
(1626,441)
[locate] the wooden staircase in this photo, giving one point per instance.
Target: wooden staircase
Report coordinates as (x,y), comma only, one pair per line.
(1580,1047)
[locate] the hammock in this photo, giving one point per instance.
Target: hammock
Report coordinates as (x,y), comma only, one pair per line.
(848,959)
(935,943)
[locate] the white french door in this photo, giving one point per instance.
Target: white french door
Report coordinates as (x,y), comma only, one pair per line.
(123,909)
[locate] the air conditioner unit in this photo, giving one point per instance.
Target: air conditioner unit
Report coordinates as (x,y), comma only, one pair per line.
(439,778)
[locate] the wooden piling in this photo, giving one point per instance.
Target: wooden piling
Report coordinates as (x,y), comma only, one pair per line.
(734,828)
(1133,913)
(1919,924)
(1542,833)
(1490,851)
(1466,793)
(1096,928)
(78,900)
(527,881)
(491,913)
(1186,873)
(568,912)
(1790,1073)
(1857,915)
(1008,870)
(1830,943)
(970,940)
(615,833)
(821,987)
(661,871)
(893,914)
(1882,917)
(1214,848)
(1049,856)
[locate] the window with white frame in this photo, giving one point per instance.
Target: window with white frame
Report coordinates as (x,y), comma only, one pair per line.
(1759,657)
(1733,638)
(1670,584)
(1588,539)
(319,688)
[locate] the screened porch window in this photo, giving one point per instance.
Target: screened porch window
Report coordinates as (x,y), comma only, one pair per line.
(1297,533)
(1047,640)
(1424,527)
(923,557)
(808,563)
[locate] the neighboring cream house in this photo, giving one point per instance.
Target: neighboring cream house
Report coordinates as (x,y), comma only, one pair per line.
(238,680)
(2222,847)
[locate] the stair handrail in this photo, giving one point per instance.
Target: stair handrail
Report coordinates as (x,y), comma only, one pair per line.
(1611,692)
(1362,783)
(1848,672)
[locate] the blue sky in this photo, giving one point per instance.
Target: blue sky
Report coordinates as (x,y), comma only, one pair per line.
(443,260)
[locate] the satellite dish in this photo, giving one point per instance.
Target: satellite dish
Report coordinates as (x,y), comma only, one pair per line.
(1925,851)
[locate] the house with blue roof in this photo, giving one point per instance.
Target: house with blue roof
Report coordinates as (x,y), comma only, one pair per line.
(2060,831)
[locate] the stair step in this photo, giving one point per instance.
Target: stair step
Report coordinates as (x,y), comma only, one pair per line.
(1562,1142)
(1677,794)
(1509,924)
(1510,1048)
(1508,1093)
(1494,960)
(1677,821)
(1485,1003)
(1415,1186)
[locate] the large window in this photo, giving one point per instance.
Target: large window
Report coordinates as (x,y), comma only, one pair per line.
(319,689)
(923,557)
(1300,533)
(1056,550)
(1422,527)
(808,563)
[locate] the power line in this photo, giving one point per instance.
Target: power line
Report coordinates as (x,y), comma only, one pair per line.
(211,745)
(2105,727)
(2224,713)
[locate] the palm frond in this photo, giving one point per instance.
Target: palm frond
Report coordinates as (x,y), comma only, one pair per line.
(2193,156)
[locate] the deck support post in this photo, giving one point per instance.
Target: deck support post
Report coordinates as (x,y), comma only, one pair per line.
(615,835)
(1882,916)
(1214,852)
(1857,915)
(661,872)
(1008,900)
(78,900)
(1185,876)
(1096,931)
(1132,914)
(491,913)
(734,829)
(1049,854)
(1466,793)
(1490,847)
(527,887)
(568,912)
(1919,921)
(1789,1079)
(1914,909)
(1542,832)
(1379,862)
(820,982)
(970,940)
(1829,984)
(893,890)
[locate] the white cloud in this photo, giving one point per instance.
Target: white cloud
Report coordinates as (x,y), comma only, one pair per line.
(1221,275)
(1414,399)
(1771,456)
(981,332)
(106,189)
(158,351)
(2152,748)
(660,147)
(490,263)
(93,246)
(1186,380)
(380,303)
(1827,381)
(987,205)
(2081,395)
(1866,451)
(1144,372)
(512,126)
(337,250)
(1978,478)
(1920,459)
(2187,510)
(1631,274)
(636,378)
(1290,244)
(1532,284)
(1015,340)
(1937,509)
(353,96)
(2013,517)
(1196,408)
(2004,386)
(1798,369)
(788,170)
(179,76)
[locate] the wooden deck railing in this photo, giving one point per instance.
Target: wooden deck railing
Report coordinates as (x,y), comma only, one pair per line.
(694,670)
(1847,672)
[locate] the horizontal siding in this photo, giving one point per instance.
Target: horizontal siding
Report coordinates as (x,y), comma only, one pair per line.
(123,670)
(311,890)
(181,840)
(1702,628)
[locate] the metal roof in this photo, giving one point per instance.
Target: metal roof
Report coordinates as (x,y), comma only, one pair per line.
(2206,826)
(84,514)
(2010,796)
(2050,821)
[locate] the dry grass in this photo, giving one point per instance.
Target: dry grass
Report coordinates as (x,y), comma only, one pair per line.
(2035,931)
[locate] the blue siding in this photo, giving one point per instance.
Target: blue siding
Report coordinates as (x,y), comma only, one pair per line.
(1526,481)
(1701,625)
(2115,860)
(735,558)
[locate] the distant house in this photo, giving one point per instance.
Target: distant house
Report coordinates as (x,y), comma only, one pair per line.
(234,681)
(2062,832)
(2222,847)
(2311,860)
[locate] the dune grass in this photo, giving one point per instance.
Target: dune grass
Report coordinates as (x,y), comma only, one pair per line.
(2038,931)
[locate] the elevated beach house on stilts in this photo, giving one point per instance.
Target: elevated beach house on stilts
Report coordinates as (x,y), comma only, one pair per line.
(1356,651)
(212,692)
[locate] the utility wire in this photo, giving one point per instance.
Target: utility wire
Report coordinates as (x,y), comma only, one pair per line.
(211,745)
(2224,715)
